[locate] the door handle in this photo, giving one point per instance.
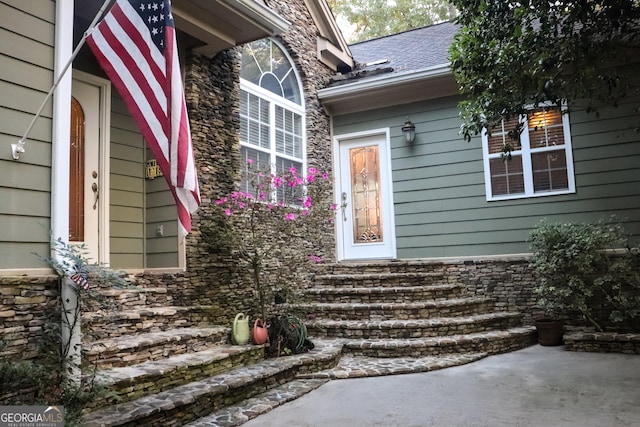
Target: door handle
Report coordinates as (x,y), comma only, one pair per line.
(96,194)
(344,206)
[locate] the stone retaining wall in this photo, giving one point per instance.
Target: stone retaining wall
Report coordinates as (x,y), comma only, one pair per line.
(25,302)
(602,342)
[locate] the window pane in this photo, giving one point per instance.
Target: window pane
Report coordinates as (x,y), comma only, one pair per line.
(287,194)
(288,132)
(549,171)
(507,176)
(254,120)
(545,128)
(260,163)
(500,137)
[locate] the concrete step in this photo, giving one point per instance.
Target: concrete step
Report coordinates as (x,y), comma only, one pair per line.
(490,342)
(398,311)
(132,382)
(118,323)
(413,328)
(181,404)
(375,279)
(382,294)
(262,403)
(364,367)
(143,347)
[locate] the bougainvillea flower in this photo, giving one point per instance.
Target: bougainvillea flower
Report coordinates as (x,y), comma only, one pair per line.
(290,217)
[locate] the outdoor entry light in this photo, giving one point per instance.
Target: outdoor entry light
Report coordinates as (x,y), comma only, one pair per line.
(409,131)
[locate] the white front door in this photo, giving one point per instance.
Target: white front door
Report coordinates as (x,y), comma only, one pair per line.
(365,219)
(88,175)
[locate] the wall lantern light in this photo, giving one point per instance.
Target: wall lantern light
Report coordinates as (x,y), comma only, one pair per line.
(409,131)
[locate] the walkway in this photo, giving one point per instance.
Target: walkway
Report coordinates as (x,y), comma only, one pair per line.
(537,386)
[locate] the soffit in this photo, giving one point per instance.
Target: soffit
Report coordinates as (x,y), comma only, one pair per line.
(221,24)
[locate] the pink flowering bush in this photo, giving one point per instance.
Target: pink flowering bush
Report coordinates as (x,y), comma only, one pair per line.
(277,229)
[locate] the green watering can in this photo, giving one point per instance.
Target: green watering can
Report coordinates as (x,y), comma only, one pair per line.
(240,331)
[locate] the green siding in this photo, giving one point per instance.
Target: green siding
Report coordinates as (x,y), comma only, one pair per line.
(439,195)
(26,58)
(162,251)
(126,210)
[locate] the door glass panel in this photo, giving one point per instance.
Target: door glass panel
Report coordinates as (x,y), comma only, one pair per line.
(76,178)
(365,194)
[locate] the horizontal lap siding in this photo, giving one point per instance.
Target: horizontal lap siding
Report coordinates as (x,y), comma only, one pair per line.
(439,195)
(126,213)
(26,60)
(161,212)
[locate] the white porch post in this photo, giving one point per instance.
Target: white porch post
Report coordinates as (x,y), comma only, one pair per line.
(60,166)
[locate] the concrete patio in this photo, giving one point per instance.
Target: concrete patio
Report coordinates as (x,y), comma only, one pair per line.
(537,386)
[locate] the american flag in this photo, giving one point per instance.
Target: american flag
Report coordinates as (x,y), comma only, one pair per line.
(135,44)
(79,277)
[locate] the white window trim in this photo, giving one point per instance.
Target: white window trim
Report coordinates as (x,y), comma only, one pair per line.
(526,153)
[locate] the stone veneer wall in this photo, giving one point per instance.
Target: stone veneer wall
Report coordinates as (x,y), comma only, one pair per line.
(212,96)
(25,302)
(510,280)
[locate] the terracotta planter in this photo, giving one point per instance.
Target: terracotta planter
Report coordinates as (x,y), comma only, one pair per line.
(260,333)
(550,331)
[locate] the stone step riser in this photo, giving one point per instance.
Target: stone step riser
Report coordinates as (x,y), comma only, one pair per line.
(119,325)
(396,267)
(125,391)
(407,332)
(374,281)
(115,358)
(426,294)
(220,396)
(490,346)
(127,299)
(347,312)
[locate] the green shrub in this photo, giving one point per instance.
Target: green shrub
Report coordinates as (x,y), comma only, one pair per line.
(588,269)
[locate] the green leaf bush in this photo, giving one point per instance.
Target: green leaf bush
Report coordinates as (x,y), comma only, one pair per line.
(589,270)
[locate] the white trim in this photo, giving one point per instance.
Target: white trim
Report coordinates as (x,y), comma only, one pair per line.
(61,130)
(526,152)
(340,232)
(20,272)
(104,87)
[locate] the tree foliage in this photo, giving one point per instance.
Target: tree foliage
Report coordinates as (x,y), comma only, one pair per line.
(514,55)
(377,18)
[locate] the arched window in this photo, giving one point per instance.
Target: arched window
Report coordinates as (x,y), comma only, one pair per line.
(271,110)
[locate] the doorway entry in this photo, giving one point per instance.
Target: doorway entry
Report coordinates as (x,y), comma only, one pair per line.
(89,165)
(365,222)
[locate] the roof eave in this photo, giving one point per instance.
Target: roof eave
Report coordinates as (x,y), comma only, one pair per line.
(388,90)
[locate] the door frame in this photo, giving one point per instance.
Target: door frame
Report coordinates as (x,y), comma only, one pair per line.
(385,179)
(104,86)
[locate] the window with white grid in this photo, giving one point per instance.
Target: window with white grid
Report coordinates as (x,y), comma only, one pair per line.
(540,161)
(271,111)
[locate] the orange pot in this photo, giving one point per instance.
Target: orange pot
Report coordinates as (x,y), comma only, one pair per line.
(260,333)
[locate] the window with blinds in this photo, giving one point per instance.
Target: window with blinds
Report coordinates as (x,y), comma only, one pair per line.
(540,161)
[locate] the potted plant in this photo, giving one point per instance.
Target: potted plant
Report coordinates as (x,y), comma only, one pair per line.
(582,276)
(275,229)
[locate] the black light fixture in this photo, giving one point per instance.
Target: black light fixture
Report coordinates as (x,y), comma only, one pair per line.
(409,131)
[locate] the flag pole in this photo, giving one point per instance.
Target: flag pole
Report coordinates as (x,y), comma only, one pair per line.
(18,148)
